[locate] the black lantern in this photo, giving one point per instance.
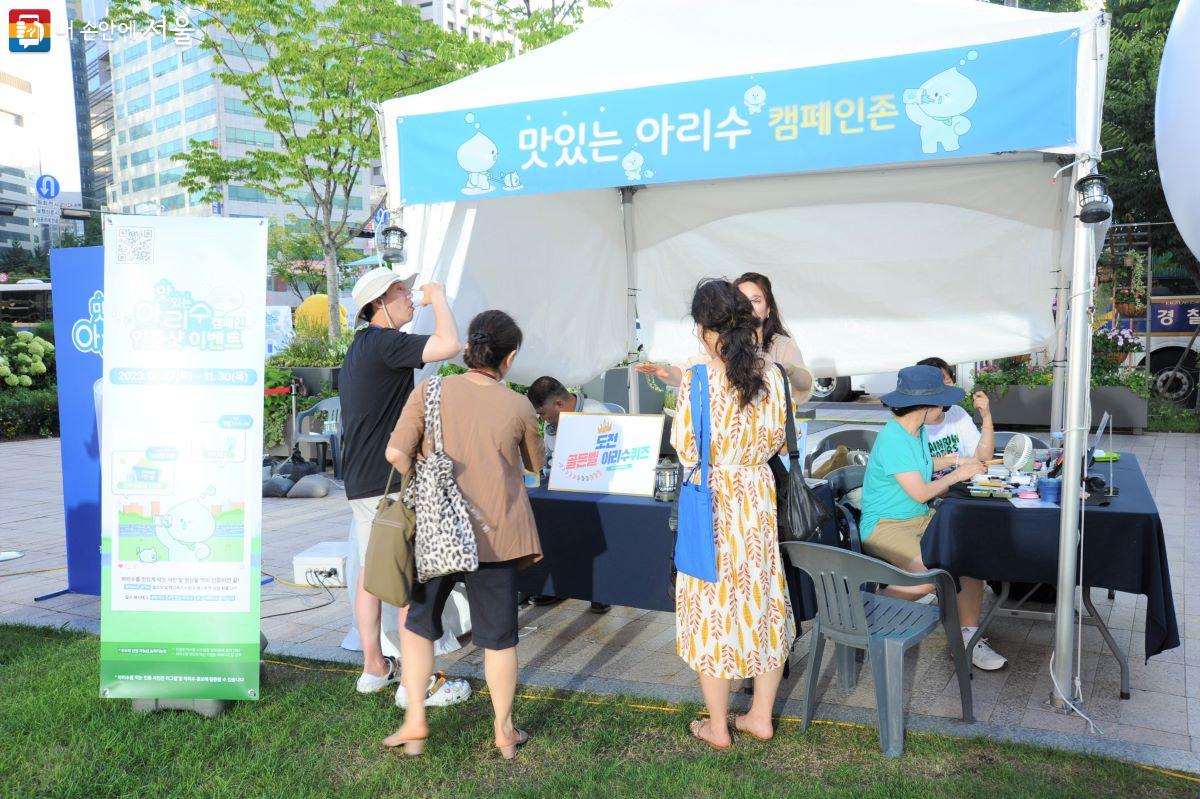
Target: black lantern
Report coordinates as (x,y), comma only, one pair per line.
(1094,203)
(390,242)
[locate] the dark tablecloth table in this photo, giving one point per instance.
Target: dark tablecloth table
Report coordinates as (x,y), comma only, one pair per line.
(1123,546)
(619,550)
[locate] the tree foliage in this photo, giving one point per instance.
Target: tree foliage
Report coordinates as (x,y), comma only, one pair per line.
(295,255)
(311,70)
(534,25)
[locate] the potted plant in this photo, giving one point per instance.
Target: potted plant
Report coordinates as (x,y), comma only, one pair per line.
(1111,346)
(1021,393)
(313,357)
(1129,294)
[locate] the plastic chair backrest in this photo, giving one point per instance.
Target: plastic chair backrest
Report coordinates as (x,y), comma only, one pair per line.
(838,577)
(613,407)
(846,479)
(851,439)
(331,407)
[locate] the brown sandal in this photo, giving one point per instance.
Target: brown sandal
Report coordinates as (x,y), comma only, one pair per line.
(509,750)
(695,730)
(412,746)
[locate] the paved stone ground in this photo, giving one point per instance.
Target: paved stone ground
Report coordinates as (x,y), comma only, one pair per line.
(633,652)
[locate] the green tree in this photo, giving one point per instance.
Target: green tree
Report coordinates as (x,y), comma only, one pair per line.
(295,255)
(1139,33)
(534,26)
(16,259)
(311,70)
(1048,5)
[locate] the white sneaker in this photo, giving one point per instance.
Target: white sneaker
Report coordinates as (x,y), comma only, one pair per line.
(372,683)
(985,658)
(441,692)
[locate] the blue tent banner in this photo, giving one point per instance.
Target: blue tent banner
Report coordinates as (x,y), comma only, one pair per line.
(973,100)
(77,283)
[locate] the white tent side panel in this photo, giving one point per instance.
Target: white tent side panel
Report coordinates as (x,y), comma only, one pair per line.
(558,268)
(873,270)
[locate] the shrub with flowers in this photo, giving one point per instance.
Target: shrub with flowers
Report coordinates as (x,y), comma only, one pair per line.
(26,361)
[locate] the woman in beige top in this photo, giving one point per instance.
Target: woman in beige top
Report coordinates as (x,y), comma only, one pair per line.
(778,345)
(490,432)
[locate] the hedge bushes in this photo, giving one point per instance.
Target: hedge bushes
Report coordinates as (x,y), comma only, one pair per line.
(28,412)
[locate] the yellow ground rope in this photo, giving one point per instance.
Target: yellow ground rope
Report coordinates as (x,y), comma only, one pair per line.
(33,571)
(669,709)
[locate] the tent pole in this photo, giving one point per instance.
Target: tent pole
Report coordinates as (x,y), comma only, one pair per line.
(1059,363)
(1077,407)
(631,278)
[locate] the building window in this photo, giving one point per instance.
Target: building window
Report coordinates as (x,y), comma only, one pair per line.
(138,104)
(166,66)
(197,81)
(209,135)
(132,54)
(142,157)
(247,195)
(170,148)
(192,55)
(200,110)
(140,131)
(172,203)
(144,182)
(167,177)
(251,52)
(137,78)
(256,138)
(167,121)
(167,93)
(236,105)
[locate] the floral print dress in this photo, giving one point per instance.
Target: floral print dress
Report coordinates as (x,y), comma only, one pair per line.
(741,625)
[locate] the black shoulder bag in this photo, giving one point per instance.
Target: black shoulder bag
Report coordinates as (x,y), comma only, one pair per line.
(801,514)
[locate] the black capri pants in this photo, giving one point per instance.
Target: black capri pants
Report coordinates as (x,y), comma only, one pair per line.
(491,595)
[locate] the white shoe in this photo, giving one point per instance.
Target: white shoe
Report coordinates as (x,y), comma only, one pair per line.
(373,683)
(441,692)
(985,658)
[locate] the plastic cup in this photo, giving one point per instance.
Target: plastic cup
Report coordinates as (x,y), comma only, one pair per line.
(1050,489)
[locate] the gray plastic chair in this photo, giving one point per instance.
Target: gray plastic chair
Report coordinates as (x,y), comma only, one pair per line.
(844,480)
(851,439)
(332,408)
(885,627)
(613,407)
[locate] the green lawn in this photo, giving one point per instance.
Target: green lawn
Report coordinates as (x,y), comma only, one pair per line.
(312,736)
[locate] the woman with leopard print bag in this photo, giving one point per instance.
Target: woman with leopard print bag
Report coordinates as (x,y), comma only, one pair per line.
(475,437)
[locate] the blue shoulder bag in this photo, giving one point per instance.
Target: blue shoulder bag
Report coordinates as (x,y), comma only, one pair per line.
(695,549)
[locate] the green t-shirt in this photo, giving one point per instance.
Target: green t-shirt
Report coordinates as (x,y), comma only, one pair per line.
(895,452)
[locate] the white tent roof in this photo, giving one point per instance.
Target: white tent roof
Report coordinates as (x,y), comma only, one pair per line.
(873,267)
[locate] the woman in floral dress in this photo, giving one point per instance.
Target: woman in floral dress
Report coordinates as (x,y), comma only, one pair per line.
(741,626)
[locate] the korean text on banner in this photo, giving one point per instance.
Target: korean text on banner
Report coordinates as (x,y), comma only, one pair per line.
(606,453)
(988,98)
(181,506)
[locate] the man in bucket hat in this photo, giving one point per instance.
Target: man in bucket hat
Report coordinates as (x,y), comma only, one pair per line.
(374,383)
(899,485)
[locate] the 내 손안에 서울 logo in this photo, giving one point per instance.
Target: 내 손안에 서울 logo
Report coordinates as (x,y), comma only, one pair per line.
(606,453)
(29,30)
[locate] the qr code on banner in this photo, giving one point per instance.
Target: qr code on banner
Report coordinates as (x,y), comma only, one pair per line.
(135,245)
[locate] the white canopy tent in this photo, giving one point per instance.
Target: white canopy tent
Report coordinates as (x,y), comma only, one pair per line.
(878,258)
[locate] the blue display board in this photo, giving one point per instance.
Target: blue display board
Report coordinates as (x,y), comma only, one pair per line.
(1002,96)
(77,282)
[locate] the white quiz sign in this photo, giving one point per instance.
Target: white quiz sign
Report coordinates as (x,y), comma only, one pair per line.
(606,453)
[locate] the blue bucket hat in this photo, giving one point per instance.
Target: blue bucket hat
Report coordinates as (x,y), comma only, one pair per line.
(921,385)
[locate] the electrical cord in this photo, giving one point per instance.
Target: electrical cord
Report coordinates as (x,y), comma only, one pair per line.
(320,578)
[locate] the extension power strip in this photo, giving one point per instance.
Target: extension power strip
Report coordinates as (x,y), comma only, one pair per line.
(322,557)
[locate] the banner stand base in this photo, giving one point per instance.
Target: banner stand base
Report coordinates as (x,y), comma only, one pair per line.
(53,594)
(10,554)
(209,708)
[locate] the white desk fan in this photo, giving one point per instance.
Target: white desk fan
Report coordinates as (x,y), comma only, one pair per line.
(1018,453)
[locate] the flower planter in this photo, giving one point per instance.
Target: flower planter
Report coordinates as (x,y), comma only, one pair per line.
(1130,309)
(1030,406)
(315,378)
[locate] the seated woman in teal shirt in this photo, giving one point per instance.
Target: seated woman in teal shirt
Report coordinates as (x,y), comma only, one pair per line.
(899,485)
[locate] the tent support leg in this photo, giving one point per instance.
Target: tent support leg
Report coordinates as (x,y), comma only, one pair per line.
(1079,354)
(631,278)
(1059,362)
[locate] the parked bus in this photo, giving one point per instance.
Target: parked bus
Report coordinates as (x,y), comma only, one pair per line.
(25,304)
